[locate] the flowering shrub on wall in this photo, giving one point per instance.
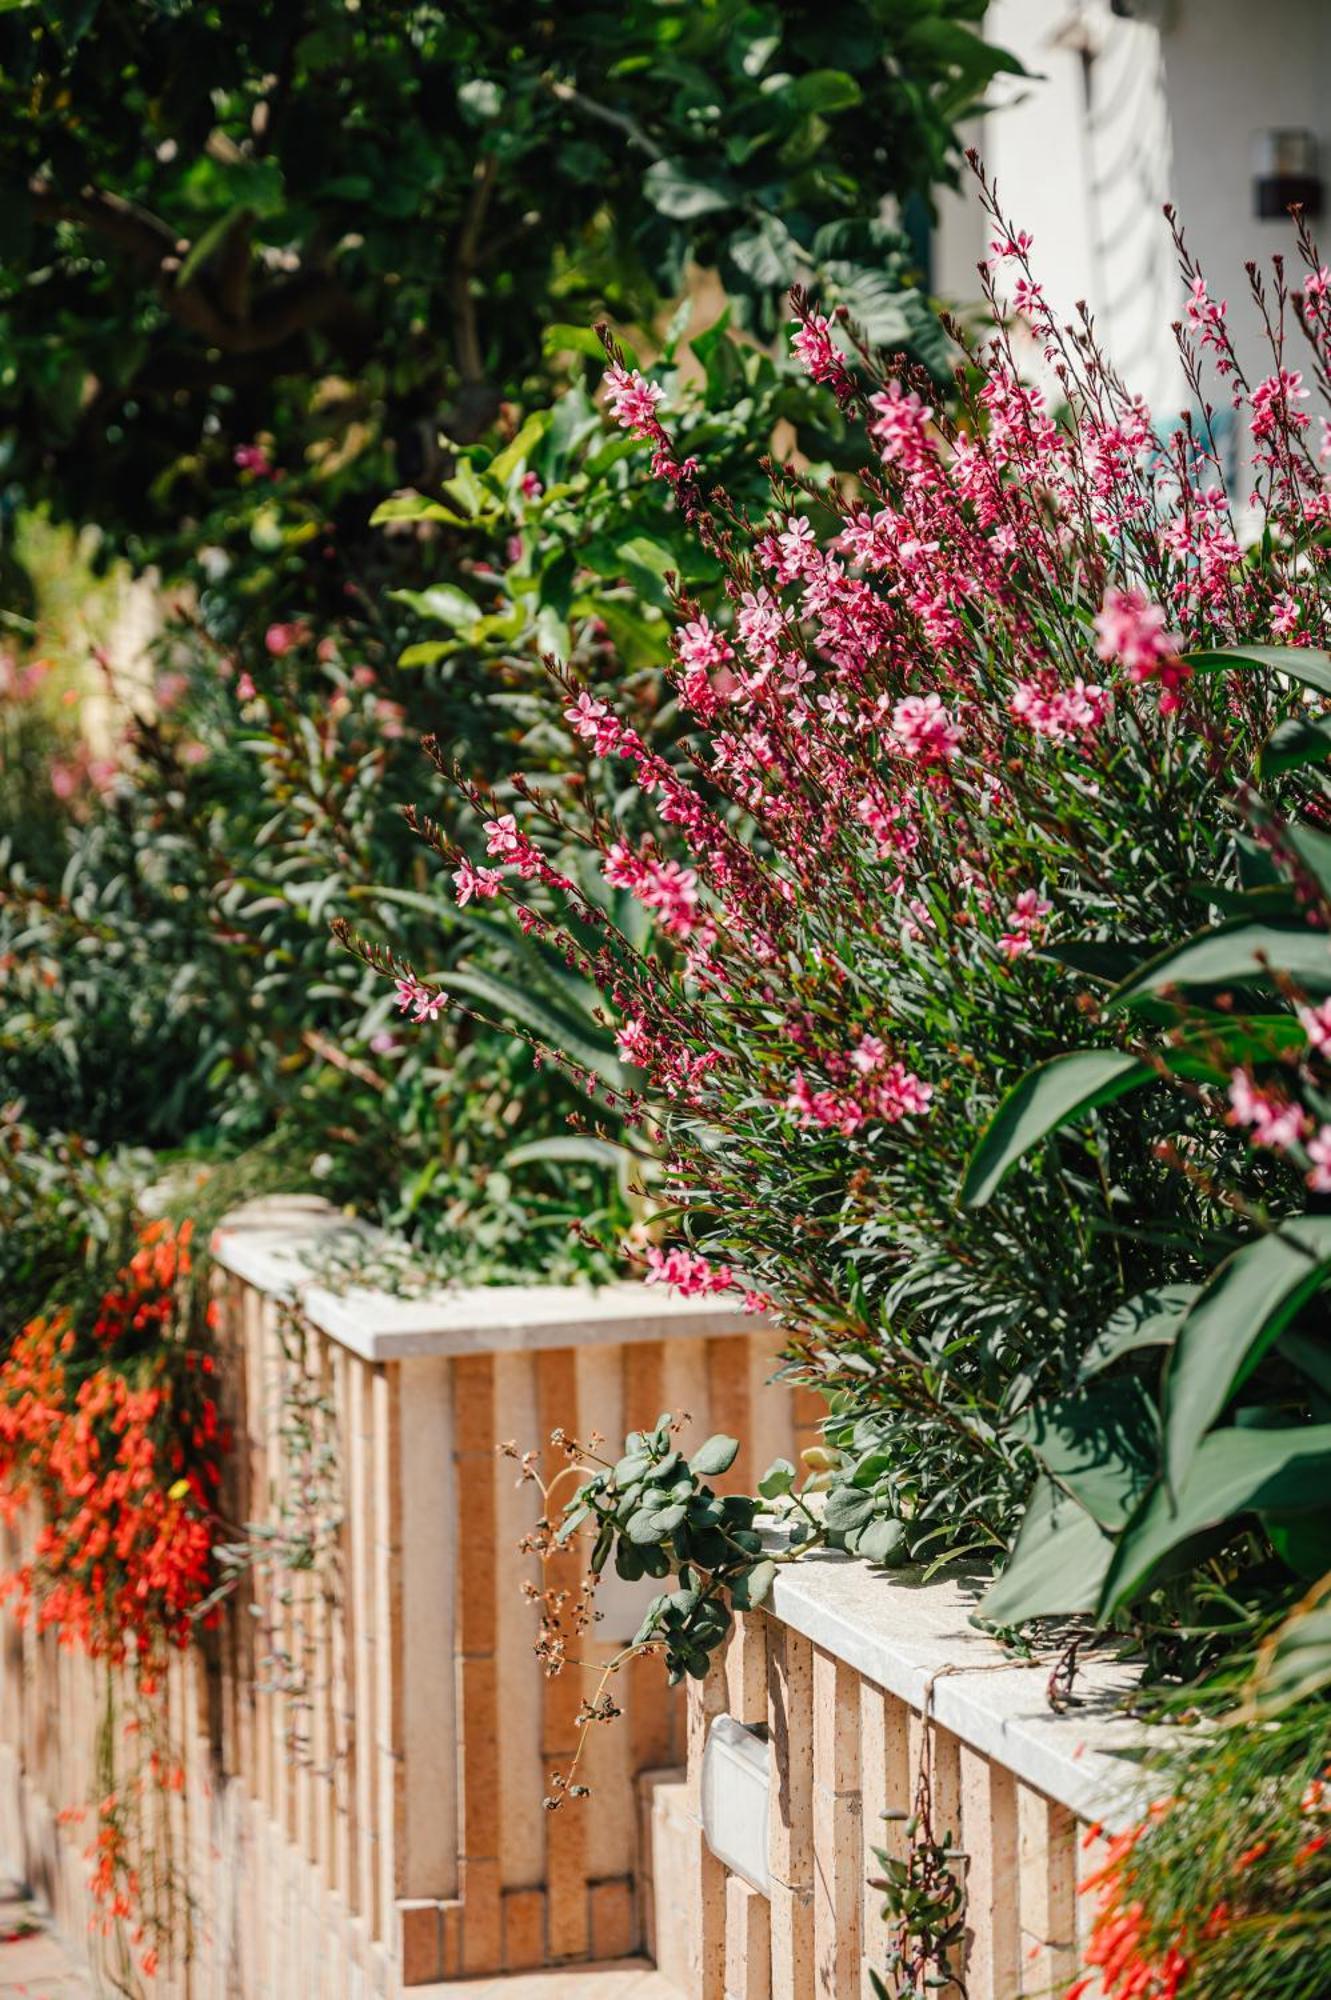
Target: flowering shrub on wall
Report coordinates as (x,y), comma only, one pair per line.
(978,743)
(111,1454)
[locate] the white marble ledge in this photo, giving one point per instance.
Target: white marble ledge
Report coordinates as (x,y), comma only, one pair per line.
(909,1638)
(282,1245)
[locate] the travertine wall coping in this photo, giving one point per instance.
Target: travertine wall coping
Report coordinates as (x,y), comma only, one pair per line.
(280,1246)
(915,1640)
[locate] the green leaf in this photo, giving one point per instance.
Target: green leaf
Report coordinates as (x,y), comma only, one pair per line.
(715,1457)
(1314,851)
(506,463)
(823,90)
(1240,1314)
(1151,1319)
(566,339)
(1235,1472)
(848,1508)
(573,1147)
(672,189)
(1101,1445)
(1057,1562)
(1295,1662)
(1307,664)
(1048,1096)
(753,1587)
(1293,744)
(778,1479)
(443,601)
(1234,954)
(881,1542)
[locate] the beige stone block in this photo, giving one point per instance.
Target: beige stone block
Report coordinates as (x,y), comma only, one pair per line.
(838,1848)
(989,1834)
(748,1942)
(669,1832)
(568,1926)
(793,1972)
(746,1669)
(524,1929)
(420,1942)
(481,1755)
(613,1926)
(482,1918)
(790,1733)
(728,1409)
(1047,1892)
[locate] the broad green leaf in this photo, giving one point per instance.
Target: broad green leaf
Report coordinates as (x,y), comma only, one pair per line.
(1238,953)
(442,601)
(882,1542)
(1152,1319)
(714,1457)
(753,1587)
(672,189)
(1048,1096)
(1293,744)
(1057,1564)
(1100,1445)
(502,467)
(576,1147)
(415,507)
(1239,1315)
(848,1508)
(778,1479)
(1314,851)
(1307,664)
(1234,1472)
(823,90)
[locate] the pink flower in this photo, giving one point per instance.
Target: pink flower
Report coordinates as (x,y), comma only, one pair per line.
(478,882)
(1271,1120)
(1059,713)
(1316,1025)
(245,688)
(253,458)
(924,729)
(280,639)
(502,836)
(1131,631)
(1319,1152)
(633,400)
(592,721)
(1024,918)
(813,344)
(687,1272)
(424,1003)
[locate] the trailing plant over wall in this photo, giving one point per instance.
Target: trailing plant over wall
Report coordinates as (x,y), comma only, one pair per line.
(111,1452)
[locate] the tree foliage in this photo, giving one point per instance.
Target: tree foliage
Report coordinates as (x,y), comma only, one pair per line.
(345,228)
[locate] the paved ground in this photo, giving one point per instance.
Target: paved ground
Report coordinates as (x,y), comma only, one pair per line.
(34,1967)
(32,1963)
(628,1979)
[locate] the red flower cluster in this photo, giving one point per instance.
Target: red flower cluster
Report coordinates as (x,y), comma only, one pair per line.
(114,1436)
(1124,1960)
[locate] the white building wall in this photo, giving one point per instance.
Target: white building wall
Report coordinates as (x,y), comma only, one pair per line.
(1119,116)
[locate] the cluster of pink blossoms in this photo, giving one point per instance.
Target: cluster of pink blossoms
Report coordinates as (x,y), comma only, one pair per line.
(423,1003)
(867,1088)
(1281,1125)
(899,689)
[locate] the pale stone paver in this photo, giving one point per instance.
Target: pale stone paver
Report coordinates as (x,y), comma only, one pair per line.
(33,1964)
(626,1979)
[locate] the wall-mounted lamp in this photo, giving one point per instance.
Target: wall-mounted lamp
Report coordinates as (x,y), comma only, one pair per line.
(1284,166)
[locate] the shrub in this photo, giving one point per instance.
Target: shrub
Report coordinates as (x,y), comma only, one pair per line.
(966,739)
